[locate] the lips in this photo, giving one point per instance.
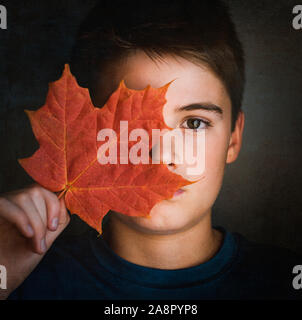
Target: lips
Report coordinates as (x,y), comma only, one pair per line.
(178,192)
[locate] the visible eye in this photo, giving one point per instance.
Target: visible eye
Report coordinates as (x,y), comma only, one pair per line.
(196,124)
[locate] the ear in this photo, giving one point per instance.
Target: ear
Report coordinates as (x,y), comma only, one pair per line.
(236,139)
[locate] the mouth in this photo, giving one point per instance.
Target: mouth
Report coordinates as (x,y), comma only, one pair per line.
(178,193)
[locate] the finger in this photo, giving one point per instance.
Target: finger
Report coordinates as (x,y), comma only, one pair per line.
(64,217)
(15,215)
(64,220)
(35,215)
(52,207)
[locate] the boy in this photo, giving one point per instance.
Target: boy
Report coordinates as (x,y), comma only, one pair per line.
(176,254)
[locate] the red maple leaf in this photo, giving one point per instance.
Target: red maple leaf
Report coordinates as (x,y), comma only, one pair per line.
(66,128)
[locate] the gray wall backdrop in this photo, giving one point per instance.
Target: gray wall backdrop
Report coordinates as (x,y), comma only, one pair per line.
(261,196)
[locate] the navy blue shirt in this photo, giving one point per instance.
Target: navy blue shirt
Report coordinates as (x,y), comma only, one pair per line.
(85,267)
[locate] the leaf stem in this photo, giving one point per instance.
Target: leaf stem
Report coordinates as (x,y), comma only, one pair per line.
(62,193)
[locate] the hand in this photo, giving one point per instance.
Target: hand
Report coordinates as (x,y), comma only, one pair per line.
(30,220)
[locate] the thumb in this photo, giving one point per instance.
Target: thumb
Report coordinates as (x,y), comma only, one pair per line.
(64,220)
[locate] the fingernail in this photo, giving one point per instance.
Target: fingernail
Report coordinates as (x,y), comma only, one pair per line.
(54,223)
(30,230)
(43,245)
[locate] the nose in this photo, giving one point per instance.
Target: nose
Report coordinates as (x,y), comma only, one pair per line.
(167,149)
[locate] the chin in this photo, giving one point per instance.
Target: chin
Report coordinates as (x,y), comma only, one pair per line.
(157,226)
(166,217)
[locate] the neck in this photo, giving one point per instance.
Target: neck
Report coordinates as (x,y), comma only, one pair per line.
(184,249)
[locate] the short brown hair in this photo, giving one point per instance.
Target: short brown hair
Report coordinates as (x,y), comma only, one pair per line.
(199,30)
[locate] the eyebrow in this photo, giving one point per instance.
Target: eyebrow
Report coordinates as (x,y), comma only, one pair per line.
(202,106)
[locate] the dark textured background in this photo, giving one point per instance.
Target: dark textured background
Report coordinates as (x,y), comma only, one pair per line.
(260,197)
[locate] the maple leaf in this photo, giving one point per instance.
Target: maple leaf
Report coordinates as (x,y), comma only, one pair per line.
(66,128)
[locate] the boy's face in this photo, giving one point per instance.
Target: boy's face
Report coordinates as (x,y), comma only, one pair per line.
(193,85)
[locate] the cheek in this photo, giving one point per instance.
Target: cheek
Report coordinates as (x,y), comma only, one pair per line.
(211,156)
(215,159)
(216,152)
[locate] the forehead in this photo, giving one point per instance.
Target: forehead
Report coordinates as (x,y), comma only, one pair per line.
(192,83)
